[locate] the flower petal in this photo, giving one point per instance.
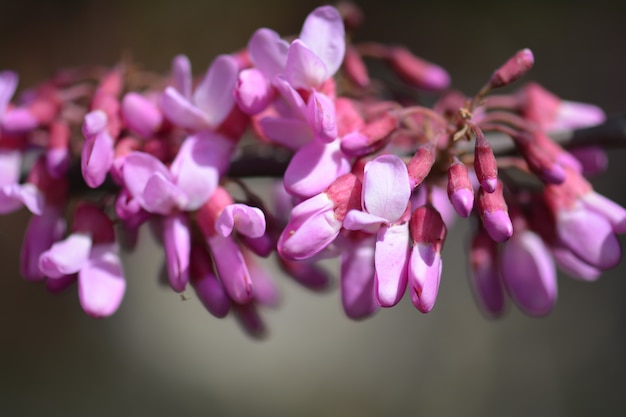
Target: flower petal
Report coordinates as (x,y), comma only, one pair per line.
(249,221)
(138,168)
(180,111)
(8,85)
(101,284)
(324,33)
(181,72)
(177,245)
(268,52)
(66,256)
(358,296)
(304,69)
(424,276)
(231,268)
(215,94)
(386,188)
(390,259)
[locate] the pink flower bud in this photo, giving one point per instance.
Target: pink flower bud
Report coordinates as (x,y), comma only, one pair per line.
(141,115)
(485,164)
(417,72)
(355,68)
(513,69)
(420,165)
(494,214)
(370,138)
(460,191)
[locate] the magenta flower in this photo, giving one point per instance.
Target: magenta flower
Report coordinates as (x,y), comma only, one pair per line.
(212,100)
(89,251)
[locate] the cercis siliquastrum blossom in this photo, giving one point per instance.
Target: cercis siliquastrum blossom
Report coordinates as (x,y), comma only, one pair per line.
(374,181)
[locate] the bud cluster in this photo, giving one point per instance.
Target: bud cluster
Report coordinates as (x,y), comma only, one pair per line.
(371,179)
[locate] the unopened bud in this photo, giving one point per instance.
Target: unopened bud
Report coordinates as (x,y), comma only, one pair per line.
(513,69)
(418,72)
(460,191)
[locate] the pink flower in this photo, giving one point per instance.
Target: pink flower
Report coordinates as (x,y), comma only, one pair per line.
(211,101)
(385,200)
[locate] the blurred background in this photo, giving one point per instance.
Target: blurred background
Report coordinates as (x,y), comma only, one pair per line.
(162,356)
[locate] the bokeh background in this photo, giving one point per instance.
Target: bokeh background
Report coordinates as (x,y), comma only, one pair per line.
(160,356)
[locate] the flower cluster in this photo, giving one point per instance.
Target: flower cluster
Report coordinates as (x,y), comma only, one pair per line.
(372,179)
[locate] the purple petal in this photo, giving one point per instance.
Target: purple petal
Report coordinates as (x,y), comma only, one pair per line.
(212,295)
(265,290)
(484,275)
(95,122)
(463,201)
(66,257)
(215,94)
(293,106)
(200,162)
(231,268)
(573,265)
(181,72)
(324,33)
(358,296)
(249,221)
(386,188)
(498,225)
(528,273)
(97,158)
(613,212)
(424,276)
(177,245)
(268,52)
(314,167)
(101,284)
(321,113)
(304,69)
(8,85)
(390,259)
(180,111)
(589,236)
(41,233)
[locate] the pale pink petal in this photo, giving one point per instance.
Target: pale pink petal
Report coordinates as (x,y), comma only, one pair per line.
(254,92)
(358,296)
(424,275)
(294,105)
(386,188)
(101,284)
(200,162)
(231,268)
(360,220)
(8,85)
(249,221)
(181,72)
(268,52)
(215,94)
(575,115)
(138,168)
(19,120)
(390,259)
(292,133)
(162,196)
(613,212)
(14,196)
(97,158)
(304,69)
(498,225)
(265,290)
(324,33)
(310,230)
(95,122)
(314,167)
(528,273)
(10,163)
(177,246)
(321,114)
(180,111)
(66,257)
(141,115)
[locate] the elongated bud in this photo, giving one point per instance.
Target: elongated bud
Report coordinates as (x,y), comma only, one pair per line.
(428,233)
(485,164)
(422,162)
(494,214)
(541,157)
(208,288)
(513,69)
(460,191)
(355,68)
(484,274)
(371,138)
(417,72)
